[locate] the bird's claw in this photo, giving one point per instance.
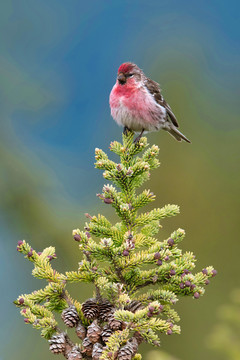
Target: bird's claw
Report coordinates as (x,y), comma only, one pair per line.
(138,137)
(136,141)
(125,130)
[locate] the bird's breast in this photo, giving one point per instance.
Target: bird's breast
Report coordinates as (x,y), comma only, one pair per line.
(135,108)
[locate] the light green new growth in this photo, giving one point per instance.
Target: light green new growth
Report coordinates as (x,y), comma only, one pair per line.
(121,259)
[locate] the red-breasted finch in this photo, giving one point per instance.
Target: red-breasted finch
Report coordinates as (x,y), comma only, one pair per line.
(137,104)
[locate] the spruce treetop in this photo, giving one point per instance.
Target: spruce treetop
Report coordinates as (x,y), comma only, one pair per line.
(137,276)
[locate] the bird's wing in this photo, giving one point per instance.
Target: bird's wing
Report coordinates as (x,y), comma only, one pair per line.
(154,89)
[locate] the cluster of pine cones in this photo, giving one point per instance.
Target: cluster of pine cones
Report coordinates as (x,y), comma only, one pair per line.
(95,336)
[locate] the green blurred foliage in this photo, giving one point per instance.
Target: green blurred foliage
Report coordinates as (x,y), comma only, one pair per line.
(159,355)
(225,335)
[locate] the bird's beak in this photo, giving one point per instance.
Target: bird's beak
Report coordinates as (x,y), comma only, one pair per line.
(121,78)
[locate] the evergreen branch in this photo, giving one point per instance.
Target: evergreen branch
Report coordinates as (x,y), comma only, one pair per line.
(52,290)
(162,295)
(100,220)
(141,240)
(156,214)
(143,199)
(149,230)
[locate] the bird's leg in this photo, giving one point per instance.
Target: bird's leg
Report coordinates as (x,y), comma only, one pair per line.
(125,130)
(139,137)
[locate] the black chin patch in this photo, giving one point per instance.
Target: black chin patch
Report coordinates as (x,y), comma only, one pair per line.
(122,82)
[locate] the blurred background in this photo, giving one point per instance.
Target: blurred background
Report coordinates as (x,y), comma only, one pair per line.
(58,63)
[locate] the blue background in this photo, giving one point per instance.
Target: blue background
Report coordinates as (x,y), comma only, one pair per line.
(58,63)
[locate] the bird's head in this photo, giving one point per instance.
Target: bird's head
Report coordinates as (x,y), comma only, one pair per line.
(129,73)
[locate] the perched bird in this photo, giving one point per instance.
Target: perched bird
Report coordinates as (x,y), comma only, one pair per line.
(137,104)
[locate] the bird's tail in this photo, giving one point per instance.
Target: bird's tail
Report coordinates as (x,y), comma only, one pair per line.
(177,134)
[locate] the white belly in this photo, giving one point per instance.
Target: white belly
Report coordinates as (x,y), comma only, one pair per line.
(152,121)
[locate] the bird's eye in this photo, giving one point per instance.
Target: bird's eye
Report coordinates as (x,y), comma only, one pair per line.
(130,75)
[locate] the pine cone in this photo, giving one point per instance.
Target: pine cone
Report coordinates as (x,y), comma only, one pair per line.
(88,346)
(105,308)
(97,351)
(106,333)
(57,343)
(70,316)
(134,342)
(138,337)
(130,242)
(94,332)
(75,354)
(128,350)
(90,309)
(113,323)
(81,331)
(134,306)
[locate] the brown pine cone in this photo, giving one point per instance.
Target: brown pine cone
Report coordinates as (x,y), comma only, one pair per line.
(88,346)
(58,343)
(81,331)
(105,308)
(128,350)
(94,332)
(106,333)
(90,309)
(134,342)
(75,354)
(134,306)
(138,337)
(70,316)
(97,351)
(113,323)
(130,242)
